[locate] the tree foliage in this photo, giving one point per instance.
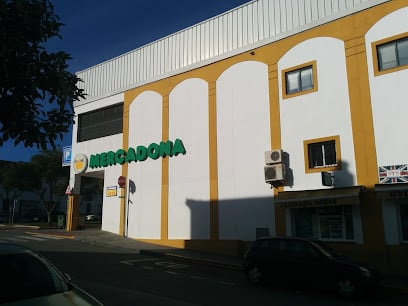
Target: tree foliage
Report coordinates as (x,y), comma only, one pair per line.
(15,178)
(36,89)
(54,178)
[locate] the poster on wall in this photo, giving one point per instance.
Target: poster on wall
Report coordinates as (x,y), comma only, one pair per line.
(111,191)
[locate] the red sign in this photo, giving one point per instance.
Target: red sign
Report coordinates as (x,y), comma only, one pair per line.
(69,190)
(122,181)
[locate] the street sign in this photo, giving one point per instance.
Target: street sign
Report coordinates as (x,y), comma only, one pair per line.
(66,156)
(69,190)
(122,181)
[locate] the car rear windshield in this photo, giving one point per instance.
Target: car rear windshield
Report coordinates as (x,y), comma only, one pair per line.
(24,275)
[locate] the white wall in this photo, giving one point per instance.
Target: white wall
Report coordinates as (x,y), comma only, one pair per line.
(243,134)
(145,127)
(323,113)
(388,95)
(99,145)
(189,189)
(111,205)
(390,109)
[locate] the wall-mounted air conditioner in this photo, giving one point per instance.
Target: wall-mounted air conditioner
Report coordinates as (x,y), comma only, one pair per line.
(273,157)
(274,173)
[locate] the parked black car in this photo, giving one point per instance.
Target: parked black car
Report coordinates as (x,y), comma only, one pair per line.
(307,263)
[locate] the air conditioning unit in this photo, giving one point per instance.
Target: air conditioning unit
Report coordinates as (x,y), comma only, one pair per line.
(273,157)
(274,173)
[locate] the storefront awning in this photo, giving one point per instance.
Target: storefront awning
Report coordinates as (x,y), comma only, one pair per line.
(392,191)
(319,197)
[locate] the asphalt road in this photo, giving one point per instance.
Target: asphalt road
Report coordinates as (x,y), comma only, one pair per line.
(117,277)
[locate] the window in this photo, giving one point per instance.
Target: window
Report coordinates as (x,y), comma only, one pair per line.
(100,123)
(299,80)
(322,154)
(391,54)
(327,223)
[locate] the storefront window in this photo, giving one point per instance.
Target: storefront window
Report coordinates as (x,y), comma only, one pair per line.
(304,222)
(404,221)
(328,223)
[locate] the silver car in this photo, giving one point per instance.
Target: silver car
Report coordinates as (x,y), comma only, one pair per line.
(28,278)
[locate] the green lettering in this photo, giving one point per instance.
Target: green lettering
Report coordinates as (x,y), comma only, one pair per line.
(104,159)
(141,153)
(131,155)
(111,158)
(120,157)
(165,148)
(153,151)
(94,161)
(178,148)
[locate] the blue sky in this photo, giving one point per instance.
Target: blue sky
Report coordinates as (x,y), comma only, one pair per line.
(98,30)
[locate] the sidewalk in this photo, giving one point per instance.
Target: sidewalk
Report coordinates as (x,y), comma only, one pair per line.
(102,238)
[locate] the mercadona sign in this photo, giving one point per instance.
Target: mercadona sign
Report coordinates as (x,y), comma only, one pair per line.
(137,154)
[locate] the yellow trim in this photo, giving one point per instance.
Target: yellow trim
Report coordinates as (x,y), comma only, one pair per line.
(212,126)
(374,46)
(306,144)
(286,95)
(164,231)
(125,141)
(276,141)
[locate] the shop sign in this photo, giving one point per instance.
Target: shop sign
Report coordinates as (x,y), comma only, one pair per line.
(80,163)
(111,191)
(309,203)
(137,154)
(396,194)
(393,174)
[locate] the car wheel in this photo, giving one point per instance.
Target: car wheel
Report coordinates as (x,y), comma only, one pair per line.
(254,275)
(346,288)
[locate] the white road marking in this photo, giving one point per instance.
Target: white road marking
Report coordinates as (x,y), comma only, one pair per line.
(31,238)
(14,239)
(171,272)
(147,267)
(129,262)
(169,264)
(49,237)
(35,237)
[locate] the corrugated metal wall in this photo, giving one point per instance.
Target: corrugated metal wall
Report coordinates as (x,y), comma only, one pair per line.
(250,25)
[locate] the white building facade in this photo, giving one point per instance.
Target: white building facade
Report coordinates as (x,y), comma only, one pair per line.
(186,120)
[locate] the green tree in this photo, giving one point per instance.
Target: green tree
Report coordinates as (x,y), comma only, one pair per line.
(53,177)
(15,178)
(36,89)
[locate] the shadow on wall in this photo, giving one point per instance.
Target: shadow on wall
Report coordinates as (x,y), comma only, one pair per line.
(239,222)
(342,177)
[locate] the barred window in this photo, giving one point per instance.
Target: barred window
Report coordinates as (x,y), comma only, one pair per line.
(100,123)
